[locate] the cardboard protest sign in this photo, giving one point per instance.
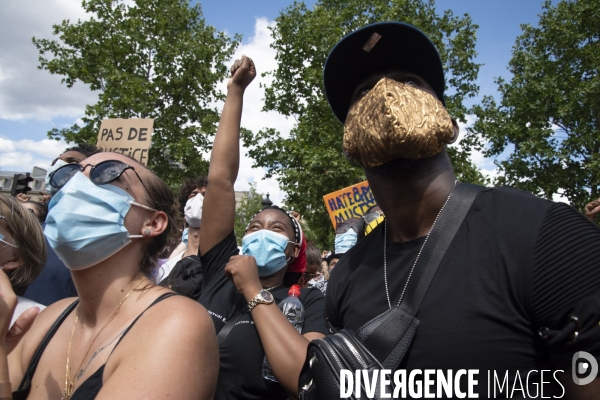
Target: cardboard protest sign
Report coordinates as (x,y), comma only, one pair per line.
(350,202)
(131,137)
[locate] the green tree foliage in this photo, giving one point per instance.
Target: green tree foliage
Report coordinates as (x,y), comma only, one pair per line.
(546,126)
(154,59)
(309,163)
(245,210)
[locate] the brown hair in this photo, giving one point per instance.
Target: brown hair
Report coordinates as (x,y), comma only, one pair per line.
(187,188)
(27,234)
(162,199)
(313,254)
(87,150)
(41,208)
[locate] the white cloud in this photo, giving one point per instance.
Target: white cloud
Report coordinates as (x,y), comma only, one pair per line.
(25,91)
(258,48)
(23,155)
(559,198)
(485,165)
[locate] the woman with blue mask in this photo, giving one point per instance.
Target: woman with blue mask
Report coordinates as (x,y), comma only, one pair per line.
(241,292)
(108,223)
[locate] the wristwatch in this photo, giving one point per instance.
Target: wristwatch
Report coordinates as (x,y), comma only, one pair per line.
(263,297)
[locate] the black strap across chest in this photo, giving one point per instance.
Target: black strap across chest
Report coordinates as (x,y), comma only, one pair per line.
(383,335)
(92,385)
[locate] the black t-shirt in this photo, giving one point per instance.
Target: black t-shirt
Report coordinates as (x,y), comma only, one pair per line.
(241,354)
(517,263)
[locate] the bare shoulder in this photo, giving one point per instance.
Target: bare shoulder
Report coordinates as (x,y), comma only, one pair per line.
(22,354)
(43,322)
(176,315)
(174,341)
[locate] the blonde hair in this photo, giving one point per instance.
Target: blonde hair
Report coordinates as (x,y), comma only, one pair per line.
(27,234)
(325,270)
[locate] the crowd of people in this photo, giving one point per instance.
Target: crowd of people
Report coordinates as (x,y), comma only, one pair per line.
(113,288)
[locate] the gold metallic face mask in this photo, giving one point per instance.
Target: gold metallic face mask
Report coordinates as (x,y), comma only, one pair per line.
(395,120)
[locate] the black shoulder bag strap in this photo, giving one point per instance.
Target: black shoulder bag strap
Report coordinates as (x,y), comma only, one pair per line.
(228,326)
(23,391)
(389,335)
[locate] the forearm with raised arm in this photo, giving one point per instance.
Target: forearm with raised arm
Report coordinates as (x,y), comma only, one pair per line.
(218,212)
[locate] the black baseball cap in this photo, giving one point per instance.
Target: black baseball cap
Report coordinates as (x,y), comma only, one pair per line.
(377,48)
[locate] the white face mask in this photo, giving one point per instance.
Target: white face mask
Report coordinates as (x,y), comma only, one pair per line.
(193,210)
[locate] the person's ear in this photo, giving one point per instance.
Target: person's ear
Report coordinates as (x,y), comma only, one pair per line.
(296,250)
(455,131)
(11,265)
(156,225)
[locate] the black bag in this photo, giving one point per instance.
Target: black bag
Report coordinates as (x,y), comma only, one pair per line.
(320,377)
(382,342)
(185,278)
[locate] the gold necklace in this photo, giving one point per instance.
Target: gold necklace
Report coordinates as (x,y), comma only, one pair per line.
(69,383)
(273,287)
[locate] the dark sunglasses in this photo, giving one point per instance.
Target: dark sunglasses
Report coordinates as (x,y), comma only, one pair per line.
(100,174)
(344,226)
(372,216)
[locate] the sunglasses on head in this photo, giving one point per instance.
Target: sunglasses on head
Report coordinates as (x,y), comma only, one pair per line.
(100,174)
(343,227)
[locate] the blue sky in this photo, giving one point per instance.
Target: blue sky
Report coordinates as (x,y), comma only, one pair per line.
(499,25)
(32,101)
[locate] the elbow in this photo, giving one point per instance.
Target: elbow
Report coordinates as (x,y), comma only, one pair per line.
(220,180)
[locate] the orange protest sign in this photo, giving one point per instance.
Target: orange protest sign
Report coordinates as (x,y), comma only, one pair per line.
(131,137)
(350,202)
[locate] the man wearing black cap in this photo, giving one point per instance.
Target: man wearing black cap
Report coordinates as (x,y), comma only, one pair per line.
(518,289)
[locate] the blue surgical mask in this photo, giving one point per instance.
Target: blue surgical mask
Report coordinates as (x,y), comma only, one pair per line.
(85,223)
(59,163)
(184,237)
(345,241)
(268,248)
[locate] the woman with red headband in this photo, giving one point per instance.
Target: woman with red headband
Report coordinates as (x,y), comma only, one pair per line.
(246,288)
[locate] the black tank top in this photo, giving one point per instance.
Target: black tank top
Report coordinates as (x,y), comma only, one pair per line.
(92,385)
